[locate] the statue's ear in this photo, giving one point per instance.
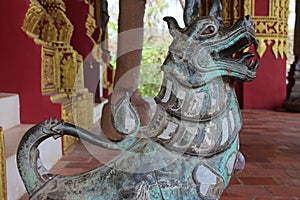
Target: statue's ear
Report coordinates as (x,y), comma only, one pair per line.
(216,9)
(173,26)
(191,11)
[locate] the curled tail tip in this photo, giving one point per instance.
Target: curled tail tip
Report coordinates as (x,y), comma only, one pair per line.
(52,120)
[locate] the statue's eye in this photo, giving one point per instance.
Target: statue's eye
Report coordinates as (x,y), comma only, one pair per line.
(209,30)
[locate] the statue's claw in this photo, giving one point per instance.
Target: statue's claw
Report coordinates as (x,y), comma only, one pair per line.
(240,163)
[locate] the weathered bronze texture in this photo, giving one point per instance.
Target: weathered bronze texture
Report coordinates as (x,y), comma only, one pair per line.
(190,148)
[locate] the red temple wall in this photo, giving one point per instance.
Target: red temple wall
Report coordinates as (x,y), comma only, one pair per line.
(21,58)
(21,65)
(77,12)
(268,90)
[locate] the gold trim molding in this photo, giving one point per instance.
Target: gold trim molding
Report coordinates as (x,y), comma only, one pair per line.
(3,192)
(271,30)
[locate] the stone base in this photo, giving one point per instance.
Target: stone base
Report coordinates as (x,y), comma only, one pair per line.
(292,105)
(293,102)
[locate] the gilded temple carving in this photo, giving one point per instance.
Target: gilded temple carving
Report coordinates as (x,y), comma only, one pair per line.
(272,29)
(62,66)
(47,22)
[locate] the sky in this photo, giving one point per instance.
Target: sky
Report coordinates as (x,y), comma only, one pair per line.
(292,16)
(174,9)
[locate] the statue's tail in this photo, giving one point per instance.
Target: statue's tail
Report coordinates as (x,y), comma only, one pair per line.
(31,169)
(32,172)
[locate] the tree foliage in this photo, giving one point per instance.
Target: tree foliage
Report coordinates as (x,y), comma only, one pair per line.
(154,49)
(154,52)
(154,10)
(154,46)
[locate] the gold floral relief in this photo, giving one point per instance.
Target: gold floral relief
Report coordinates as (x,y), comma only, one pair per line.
(46,22)
(232,9)
(50,71)
(90,23)
(272,30)
(3,192)
(62,70)
(227,11)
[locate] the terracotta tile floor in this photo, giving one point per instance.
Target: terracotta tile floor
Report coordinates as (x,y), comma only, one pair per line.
(270,142)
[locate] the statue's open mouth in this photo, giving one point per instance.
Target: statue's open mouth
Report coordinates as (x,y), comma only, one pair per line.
(229,53)
(241,57)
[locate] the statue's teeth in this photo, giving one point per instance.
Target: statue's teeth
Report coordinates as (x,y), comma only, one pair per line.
(245,57)
(255,42)
(256,64)
(250,65)
(253,65)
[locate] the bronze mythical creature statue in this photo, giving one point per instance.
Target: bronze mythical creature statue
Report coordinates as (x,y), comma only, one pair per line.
(190,148)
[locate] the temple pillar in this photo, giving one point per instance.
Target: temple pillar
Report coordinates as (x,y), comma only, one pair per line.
(268,90)
(293,95)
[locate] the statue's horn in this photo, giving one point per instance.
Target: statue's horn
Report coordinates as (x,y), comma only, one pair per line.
(191,11)
(216,9)
(173,26)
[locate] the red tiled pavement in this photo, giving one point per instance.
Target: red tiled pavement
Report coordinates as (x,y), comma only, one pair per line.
(270,142)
